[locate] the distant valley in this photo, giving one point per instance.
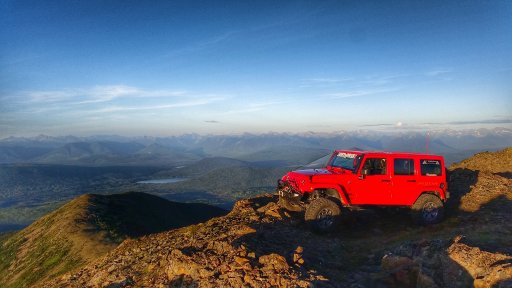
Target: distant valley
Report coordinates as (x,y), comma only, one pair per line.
(39,174)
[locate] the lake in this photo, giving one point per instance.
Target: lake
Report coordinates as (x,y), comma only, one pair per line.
(162,181)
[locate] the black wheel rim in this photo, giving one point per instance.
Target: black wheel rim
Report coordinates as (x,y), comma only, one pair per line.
(325,219)
(430,212)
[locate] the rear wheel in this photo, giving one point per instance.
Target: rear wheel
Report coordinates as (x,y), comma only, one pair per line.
(323,215)
(428,209)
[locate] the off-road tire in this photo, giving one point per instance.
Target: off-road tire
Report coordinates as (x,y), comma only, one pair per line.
(284,203)
(428,209)
(323,215)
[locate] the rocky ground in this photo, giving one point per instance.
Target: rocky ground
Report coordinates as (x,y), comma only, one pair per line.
(260,245)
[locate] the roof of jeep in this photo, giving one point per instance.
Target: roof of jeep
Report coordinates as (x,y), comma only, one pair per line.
(403,154)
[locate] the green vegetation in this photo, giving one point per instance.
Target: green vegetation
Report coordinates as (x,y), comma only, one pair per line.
(87,228)
(26,258)
(48,256)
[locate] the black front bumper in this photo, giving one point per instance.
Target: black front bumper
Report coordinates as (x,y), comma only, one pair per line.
(287,192)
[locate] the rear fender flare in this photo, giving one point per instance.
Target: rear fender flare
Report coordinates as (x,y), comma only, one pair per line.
(439,194)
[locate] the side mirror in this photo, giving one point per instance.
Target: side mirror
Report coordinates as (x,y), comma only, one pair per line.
(364,172)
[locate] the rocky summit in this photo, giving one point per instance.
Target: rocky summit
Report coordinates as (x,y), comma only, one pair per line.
(258,244)
(248,247)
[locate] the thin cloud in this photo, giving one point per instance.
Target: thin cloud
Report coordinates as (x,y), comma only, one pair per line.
(359,93)
(96,94)
(377,125)
(205,44)
(47,96)
(254,107)
(100,100)
(326,80)
(363,83)
(100,94)
(196,102)
(487,121)
(350,94)
(438,72)
(381,80)
(212,121)
(323,82)
(471,122)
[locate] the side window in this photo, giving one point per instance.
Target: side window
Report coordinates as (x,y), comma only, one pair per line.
(375,166)
(430,167)
(403,166)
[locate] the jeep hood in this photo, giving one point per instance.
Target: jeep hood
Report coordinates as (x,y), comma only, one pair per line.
(312,172)
(299,175)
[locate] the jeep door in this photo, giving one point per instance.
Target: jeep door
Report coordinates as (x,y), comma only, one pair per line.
(431,175)
(373,184)
(404,176)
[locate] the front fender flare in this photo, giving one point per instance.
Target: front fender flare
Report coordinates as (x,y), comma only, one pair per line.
(341,192)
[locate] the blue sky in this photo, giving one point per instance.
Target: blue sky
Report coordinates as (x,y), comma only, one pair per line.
(220,67)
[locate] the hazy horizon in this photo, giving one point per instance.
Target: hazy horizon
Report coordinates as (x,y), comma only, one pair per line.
(388,130)
(229,67)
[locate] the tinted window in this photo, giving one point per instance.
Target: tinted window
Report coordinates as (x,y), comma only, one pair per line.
(404,166)
(430,167)
(375,166)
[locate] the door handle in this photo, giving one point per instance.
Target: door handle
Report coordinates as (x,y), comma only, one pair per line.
(385,180)
(411,180)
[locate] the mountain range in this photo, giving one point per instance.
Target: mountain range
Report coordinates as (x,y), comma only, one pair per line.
(288,148)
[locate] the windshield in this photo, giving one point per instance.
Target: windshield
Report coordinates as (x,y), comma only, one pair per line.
(319,163)
(347,161)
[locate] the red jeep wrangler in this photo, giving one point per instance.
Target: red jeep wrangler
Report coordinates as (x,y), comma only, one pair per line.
(350,178)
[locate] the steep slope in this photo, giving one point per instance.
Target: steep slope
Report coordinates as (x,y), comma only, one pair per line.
(212,254)
(259,245)
(86,228)
(494,162)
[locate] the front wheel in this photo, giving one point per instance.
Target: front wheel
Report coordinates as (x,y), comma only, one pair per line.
(323,215)
(428,209)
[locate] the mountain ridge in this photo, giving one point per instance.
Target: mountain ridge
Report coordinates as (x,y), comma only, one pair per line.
(86,228)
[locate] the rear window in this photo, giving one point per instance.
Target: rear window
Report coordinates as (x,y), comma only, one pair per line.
(403,166)
(430,167)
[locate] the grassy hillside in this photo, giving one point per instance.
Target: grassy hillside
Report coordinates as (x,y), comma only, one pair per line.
(86,228)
